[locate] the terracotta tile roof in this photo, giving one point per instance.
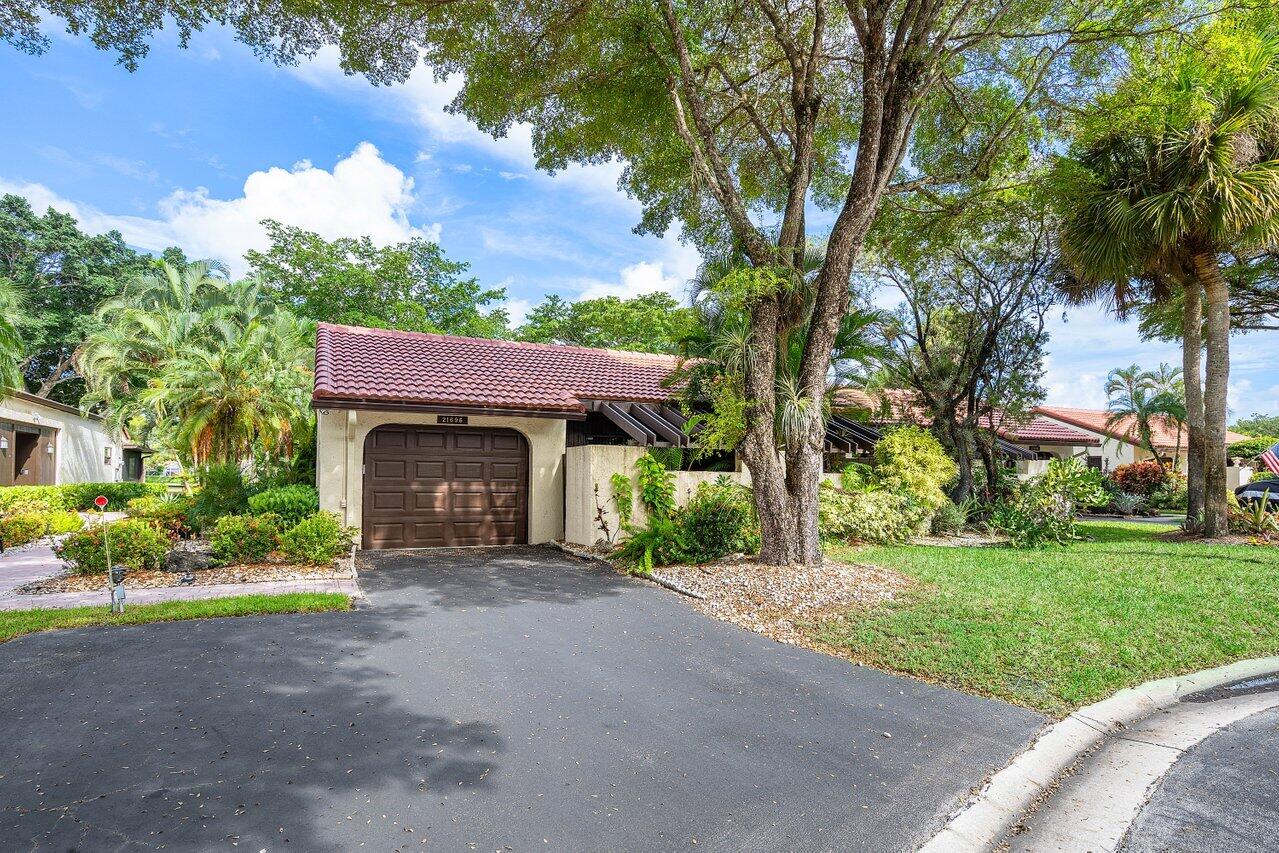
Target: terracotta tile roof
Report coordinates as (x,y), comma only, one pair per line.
(354,364)
(898,404)
(1041,430)
(1165,433)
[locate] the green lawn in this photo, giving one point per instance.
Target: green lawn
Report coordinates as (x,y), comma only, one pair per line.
(1065,626)
(18,622)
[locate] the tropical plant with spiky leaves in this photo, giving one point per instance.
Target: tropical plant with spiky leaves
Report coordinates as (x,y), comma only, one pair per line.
(209,367)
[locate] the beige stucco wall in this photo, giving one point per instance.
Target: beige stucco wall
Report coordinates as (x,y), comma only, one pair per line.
(339,476)
(594,465)
(80,442)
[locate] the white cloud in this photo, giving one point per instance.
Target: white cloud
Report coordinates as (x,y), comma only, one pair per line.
(669,273)
(517,310)
(362,195)
(512,176)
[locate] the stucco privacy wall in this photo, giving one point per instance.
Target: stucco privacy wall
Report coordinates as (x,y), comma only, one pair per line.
(339,474)
(594,465)
(80,442)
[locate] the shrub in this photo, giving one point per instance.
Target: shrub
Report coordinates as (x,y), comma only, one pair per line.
(873,517)
(221,493)
(1140,478)
(1251,448)
(656,486)
(32,499)
(911,461)
(661,543)
(170,514)
(82,495)
(134,544)
(19,528)
(290,503)
(856,477)
(1042,510)
(948,519)
(244,538)
(318,540)
(1126,503)
(718,520)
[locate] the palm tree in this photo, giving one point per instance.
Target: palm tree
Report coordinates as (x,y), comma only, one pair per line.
(1163,206)
(1136,396)
(13,312)
(244,387)
(212,367)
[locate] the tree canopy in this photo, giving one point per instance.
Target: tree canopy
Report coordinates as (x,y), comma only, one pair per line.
(410,285)
(60,274)
(654,322)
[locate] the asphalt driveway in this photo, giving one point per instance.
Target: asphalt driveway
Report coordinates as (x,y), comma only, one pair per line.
(486,700)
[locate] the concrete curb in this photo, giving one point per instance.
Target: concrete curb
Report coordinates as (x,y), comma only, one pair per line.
(990,815)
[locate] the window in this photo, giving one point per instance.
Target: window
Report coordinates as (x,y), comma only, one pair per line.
(106,456)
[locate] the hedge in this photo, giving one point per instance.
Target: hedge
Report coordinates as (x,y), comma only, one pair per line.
(76,496)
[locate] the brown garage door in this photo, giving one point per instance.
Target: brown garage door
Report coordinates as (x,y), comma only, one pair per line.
(427,487)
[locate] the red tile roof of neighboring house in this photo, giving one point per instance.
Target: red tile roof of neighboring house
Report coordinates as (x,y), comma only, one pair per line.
(898,404)
(1164,433)
(354,364)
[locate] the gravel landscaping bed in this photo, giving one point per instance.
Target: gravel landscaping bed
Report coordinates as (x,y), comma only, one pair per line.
(203,577)
(780,601)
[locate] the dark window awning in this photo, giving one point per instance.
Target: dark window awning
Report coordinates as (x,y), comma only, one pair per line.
(663,425)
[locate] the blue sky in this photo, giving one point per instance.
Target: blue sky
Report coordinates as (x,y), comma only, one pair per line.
(198,145)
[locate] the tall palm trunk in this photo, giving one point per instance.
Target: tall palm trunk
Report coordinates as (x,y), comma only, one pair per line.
(1191,373)
(1216,377)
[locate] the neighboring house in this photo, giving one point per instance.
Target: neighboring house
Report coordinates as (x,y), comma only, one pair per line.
(1118,444)
(43,442)
(431,440)
(1018,439)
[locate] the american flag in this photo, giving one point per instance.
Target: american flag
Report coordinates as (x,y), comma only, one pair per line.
(1271,459)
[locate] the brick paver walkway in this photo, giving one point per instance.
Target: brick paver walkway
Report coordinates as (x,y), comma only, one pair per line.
(347,586)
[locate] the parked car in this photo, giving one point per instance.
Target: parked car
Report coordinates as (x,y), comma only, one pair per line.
(1250,494)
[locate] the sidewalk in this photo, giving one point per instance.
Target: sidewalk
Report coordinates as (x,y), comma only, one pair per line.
(21,567)
(346,586)
(1083,782)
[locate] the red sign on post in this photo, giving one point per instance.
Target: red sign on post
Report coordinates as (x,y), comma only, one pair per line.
(100,501)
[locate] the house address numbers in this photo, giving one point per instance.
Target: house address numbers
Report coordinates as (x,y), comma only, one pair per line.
(450,419)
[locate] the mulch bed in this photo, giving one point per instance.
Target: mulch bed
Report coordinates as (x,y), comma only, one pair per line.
(203,577)
(781,601)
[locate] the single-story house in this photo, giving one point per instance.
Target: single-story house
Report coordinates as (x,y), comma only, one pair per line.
(44,442)
(1018,439)
(429,440)
(1117,444)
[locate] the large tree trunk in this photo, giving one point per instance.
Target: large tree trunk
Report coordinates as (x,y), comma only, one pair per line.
(1216,378)
(1191,371)
(782,535)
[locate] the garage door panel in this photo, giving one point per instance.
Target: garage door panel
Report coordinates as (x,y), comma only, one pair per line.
(445,486)
(432,502)
(388,500)
(504,500)
(390,439)
(506,442)
(504,471)
(431,440)
(429,469)
(468,470)
(388,469)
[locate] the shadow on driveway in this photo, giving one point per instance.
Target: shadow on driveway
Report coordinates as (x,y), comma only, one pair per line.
(482,699)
